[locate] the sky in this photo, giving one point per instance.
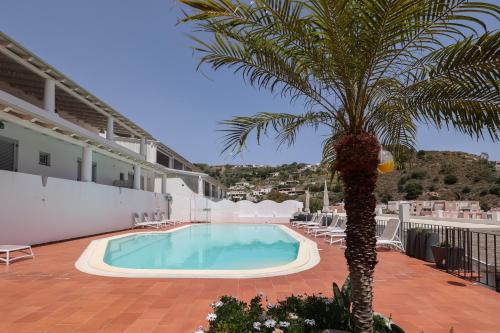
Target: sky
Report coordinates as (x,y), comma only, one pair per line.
(133,55)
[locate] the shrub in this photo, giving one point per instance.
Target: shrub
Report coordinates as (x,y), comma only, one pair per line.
(418,175)
(277,196)
(498,180)
(495,190)
(466,189)
(403,180)
(483,193)
(295,314)
(413,190)
(386,198)
(420,154)
(484,206)
(450,179)
(432,188)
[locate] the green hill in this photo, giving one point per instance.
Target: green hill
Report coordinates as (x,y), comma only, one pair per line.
(425,175)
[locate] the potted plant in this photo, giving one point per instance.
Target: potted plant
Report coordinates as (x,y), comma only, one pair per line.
(440,253)
(411,236)
(446,256)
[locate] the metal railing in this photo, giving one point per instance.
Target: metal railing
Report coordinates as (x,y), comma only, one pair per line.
(476,253)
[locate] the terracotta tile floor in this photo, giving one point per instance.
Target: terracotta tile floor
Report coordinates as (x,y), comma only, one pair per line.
(49,295)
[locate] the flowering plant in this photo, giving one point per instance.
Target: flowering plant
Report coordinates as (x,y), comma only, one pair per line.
(295,314)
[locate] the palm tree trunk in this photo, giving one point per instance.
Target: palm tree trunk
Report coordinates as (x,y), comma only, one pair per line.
(357,160)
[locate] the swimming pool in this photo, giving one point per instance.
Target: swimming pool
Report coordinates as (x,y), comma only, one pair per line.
(205,250)
(221,246)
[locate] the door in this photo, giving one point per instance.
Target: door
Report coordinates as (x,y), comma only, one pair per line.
(8,154)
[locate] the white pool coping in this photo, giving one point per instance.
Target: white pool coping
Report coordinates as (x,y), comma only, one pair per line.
(92,261)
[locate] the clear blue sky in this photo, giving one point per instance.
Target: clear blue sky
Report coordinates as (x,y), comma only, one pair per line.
(132,55)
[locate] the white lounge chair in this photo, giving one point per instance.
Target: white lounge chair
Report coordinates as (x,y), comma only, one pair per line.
(317,222)
(389,237)
(166,220)
(146,222)
(26,251)
(313,229)
(298,223)
(339,228)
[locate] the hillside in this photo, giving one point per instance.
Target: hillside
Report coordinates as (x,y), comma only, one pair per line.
(426,175)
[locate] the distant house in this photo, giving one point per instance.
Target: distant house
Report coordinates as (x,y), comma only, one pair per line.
(497,166)
(442,208)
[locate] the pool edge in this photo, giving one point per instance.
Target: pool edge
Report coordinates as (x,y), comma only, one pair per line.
(91,261)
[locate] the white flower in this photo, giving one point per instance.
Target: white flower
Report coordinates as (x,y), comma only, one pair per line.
(256,326)
(327,301)
(218,304)
(261,293)
(199,330)
(211,316)
(310,322)
(293,316)
(284,324)
(270,305)
(270,323)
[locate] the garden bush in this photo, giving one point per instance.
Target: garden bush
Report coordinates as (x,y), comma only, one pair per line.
(295,314)
(418,175)
(495,190)
(450,179)
(413,190)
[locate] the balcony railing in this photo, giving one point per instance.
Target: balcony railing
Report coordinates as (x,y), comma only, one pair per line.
(477,257)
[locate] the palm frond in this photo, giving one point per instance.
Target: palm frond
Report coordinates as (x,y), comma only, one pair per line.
(285,126)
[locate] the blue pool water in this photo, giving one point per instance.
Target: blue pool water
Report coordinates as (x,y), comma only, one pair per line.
(206,246)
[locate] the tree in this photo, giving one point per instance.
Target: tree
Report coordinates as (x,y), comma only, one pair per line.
(413,190)
(367,71)
(277,196)
(450,179)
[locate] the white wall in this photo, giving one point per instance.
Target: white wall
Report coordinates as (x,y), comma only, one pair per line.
(32,213)
(109,169)
(63,155)
(267,211)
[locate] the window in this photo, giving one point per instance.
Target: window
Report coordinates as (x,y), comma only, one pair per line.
(44,159)
(122,176)
(206,188)
(177,165)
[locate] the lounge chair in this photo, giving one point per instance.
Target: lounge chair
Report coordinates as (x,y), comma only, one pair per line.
(313,229)
(166,220)
(146,222)
(317,222)
(389,237)
(298,223)
(26,251)
(333,229)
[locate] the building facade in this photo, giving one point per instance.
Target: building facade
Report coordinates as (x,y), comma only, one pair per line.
(67,155)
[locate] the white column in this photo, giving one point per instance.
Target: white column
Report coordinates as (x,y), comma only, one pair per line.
(137,177)
(171,162)
(142,149)
(210,190)
(49,95)
(87,164)
(164,184)
(110,131)
(404,212)
(200,185)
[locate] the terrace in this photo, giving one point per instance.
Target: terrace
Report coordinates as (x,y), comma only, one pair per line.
(48,294)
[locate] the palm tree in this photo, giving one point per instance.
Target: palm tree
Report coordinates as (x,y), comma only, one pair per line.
(368,71)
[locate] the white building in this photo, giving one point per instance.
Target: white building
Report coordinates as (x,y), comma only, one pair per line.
(66,155)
